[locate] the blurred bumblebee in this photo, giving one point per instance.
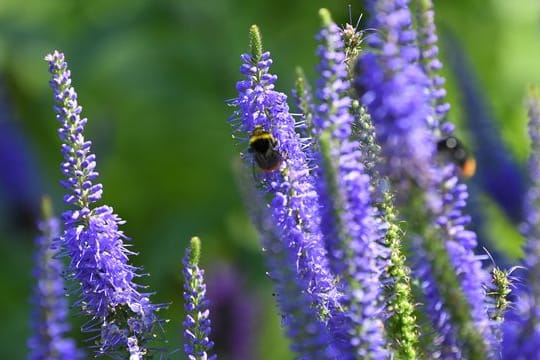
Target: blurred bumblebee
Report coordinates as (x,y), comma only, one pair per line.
(263,146)
(454,150)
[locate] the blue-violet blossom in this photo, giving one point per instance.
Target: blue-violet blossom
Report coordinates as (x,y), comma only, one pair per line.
(92,239)
(522,327)
(293,205)
(349,225)
(400,98)
(429,59)
(197,329)
(50,305)
(460,242)
(394,89)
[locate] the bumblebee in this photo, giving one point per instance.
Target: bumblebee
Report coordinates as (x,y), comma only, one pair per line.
(263,146)
(452,148)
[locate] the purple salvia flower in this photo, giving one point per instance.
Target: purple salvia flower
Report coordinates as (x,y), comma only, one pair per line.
(350,228)
(522,327)
(394,89)
(197,329)
(92,239)
(50,305)
(293,206)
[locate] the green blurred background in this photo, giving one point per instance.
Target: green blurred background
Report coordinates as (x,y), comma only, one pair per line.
(153,77)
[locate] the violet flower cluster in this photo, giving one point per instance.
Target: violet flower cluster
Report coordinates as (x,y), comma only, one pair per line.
(522,328)
(122,320)
(293,207)
(50,324)
(197,323)
(360,210)
(351,230)
(123,317)
(349,152)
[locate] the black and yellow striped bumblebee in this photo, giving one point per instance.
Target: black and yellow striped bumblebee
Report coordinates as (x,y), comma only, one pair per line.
(263,146)
(452,148)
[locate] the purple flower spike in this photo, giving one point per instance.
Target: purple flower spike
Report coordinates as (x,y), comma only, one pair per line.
(460,244)
(522,327)
(446,344)
(395,90)
(197,329)
(293,206)
(92,239)
(449,216)
(50,311)
(430,62)
(400,99)
(350,227)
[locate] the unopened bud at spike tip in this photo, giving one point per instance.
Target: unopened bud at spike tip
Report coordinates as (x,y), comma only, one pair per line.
(255,43)
(195,245)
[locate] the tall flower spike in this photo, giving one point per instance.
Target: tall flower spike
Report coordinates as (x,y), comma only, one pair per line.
(302,96)
(402,327)
(522,327)
(396,92)
(50,306)
(364,132)
(92,239)
(197,329)
(393,87)
(460,243)
(293,205)
(429,51)
(295,309)
(350,229)
(444,302)
(431,64)
(451,222)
